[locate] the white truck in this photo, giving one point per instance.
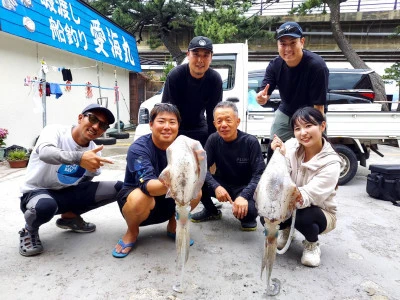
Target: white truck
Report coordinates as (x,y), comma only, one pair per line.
(354,129)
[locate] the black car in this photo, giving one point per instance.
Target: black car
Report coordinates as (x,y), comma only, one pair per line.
(346,86)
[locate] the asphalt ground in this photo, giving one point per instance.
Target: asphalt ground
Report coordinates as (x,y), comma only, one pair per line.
(360,258)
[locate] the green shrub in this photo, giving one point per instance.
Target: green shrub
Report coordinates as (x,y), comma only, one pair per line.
(17,154)
(168,66)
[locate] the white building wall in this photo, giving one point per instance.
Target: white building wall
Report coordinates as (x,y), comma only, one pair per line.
(20,58)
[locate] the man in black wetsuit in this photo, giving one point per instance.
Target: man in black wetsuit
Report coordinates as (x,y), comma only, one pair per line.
(195,88)
(239,165)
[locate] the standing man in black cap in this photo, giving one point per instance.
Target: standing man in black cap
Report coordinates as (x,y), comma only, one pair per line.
(195,88)
(58,179)
(300,75)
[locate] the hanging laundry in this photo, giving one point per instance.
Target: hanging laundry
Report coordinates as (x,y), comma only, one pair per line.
(64,74)
(68,86)
(47,89)
(37,97)
(27,81)
(67,75)
(44,67)
(89,92)
(48,92)
(55,90)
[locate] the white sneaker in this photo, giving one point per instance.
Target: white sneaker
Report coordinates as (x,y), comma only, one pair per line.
(283,236)
(311,254)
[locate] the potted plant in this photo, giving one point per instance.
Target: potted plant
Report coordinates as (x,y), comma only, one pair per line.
(3,136)
(18,158)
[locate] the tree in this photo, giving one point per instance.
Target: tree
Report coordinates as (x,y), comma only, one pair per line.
(353,58)
(166,18)
(225,22)
(220,23)
(396,31)
(168,66)
(393,73)
(221,20)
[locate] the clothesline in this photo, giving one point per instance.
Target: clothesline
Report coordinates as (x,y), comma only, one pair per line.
(54,88)
(77,84)
(80,68)
(88,85)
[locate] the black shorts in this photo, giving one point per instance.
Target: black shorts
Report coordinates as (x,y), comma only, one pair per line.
(162,211)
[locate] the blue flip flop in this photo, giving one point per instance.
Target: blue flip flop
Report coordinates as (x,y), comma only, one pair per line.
(172,235)
(123,245)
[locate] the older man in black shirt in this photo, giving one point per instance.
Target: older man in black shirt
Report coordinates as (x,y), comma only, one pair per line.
(239,165)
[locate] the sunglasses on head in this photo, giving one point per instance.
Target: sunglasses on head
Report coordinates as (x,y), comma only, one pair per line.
(94,120)
(164,104)
(288,29)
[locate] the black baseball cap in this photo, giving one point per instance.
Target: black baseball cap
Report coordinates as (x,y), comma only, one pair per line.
(200,42)
(97,107)
(289,29)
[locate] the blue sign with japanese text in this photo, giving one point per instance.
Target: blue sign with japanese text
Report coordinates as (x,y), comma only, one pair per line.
(71,26)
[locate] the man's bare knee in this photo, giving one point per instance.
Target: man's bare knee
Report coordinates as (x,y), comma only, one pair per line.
(138,204)
(194,202)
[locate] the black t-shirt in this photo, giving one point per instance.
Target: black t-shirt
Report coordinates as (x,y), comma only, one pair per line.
(238,163)
(303,85)
(193,97)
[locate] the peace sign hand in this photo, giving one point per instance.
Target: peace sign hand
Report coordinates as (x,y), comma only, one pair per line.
(91,161)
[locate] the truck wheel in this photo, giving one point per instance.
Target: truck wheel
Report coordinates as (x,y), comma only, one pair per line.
(350,163)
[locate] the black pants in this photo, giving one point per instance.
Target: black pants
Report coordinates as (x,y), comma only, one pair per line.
(310,221)
(234,192)
(269,152)
(200,135)
(40,206)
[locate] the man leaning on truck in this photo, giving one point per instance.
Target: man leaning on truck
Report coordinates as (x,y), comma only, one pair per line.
(300,75)
(195,88)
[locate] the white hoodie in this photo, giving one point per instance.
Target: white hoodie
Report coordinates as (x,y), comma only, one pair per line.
(316,179)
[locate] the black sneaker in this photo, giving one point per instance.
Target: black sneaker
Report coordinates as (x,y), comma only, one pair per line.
(205,215)
(29,243)
(76,224)
(249,226)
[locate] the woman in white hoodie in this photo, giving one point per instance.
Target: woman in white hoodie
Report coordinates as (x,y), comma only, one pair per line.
(315,168)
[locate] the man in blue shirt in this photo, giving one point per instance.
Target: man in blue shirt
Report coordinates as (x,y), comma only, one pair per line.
(142,198)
